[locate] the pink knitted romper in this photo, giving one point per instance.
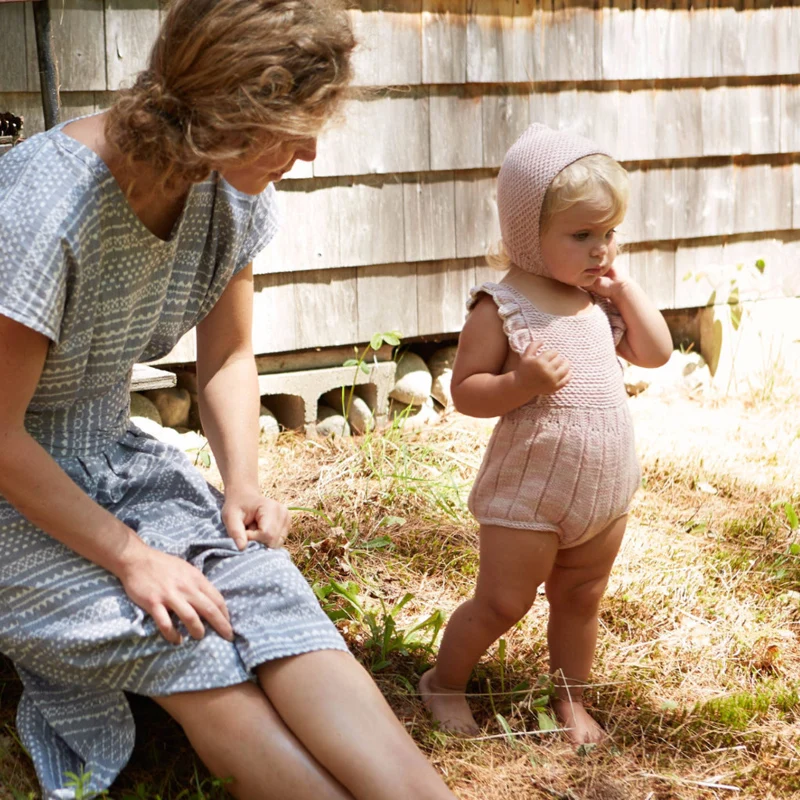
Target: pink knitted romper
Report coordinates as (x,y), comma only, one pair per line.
(564,462)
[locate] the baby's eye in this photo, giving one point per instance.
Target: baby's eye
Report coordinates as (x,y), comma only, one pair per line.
(611,233)
(581,236)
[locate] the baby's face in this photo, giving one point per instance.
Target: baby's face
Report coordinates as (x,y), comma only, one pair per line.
(579,245)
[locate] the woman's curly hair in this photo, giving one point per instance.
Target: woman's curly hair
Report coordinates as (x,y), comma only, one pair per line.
(227,75)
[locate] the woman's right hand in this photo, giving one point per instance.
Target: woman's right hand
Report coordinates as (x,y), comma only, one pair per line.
(160,583)
(542,373)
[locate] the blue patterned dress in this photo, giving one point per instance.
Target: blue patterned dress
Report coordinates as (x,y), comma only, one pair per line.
(77,265)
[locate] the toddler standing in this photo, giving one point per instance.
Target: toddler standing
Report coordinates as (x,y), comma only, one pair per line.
(539,349)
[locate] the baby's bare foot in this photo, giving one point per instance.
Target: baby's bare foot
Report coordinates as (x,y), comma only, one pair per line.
(581,728)
(447,706)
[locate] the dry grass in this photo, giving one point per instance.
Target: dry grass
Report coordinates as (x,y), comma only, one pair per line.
(697,674)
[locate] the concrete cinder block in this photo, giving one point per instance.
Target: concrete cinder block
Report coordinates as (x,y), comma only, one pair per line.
(767,340)
(294,396)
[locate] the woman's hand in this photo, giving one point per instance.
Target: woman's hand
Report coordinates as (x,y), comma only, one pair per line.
(160,583)
(542,373)
(251,517)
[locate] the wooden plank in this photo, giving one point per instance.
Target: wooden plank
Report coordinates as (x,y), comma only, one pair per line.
(365,21)
(145,378)
(678,123)
(486,274)
(705,25)
(526,61)
(796,196)
(505,116)
(184,352)
(489,40)
(720,129)
(477,226)
(131,28)
(13,56)
(309,236)
(444,215)
(375,285)
(442,292)
(789,118)
(389,36)
(429,222)
(326,309)
(371,221)
(400,38)
(763,193)
(693,260)
(764,118)
(390,133)
(456,128)
(444,41)
(274,313)
(569,41)
(654,270)
(79,32)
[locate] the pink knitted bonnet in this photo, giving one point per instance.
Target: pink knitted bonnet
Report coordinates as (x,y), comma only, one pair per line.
(528,169)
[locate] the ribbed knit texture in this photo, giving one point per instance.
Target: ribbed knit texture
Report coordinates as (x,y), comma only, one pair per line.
(564,462)
(528,169)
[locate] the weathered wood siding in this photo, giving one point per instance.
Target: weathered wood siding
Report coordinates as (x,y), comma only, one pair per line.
(388,228)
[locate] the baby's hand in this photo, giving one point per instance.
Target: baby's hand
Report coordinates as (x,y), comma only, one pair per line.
(609,284)
(544,373)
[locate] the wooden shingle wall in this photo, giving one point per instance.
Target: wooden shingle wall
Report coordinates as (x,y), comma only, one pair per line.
(388,228)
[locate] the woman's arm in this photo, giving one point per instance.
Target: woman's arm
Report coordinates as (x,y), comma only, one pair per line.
(479,387)
(32,481)
(647,341)
(229,404)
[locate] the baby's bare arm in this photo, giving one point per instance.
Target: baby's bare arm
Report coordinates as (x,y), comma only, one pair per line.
(647,341)
(479,386)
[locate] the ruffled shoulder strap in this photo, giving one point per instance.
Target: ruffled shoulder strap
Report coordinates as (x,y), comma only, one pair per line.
(509,310)
(618,326)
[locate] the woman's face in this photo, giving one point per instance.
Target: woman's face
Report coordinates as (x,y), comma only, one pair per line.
(254,173)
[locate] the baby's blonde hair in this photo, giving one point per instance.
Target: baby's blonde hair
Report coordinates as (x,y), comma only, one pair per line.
(587,180)
(583,180)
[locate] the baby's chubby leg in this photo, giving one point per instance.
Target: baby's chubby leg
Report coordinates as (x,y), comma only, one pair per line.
(512,565)
(574,590)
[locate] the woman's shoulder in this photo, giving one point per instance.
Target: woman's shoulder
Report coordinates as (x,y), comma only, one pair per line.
(40,175)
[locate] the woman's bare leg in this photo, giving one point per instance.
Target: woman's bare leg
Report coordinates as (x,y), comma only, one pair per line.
(238,735)
(574,589)
(335,709)
(513,564)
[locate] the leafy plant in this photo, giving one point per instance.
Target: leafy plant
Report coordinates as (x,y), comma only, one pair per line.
(361,364)
(384,637)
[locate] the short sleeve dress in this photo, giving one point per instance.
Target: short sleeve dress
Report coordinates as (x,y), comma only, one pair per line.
(77,265)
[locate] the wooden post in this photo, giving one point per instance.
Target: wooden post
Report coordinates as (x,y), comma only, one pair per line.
(48,68)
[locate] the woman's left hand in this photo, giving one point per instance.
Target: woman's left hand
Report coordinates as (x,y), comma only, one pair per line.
(251,517)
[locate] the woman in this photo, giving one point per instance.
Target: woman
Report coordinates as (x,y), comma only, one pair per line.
(120,568)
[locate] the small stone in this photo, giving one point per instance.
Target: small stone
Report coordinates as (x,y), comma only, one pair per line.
(173,405)
(413,417)
(268,425)
(443,359)
(413,380)
(331,423)
(188,380)
(440,365)
(142,407)
(359,414)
